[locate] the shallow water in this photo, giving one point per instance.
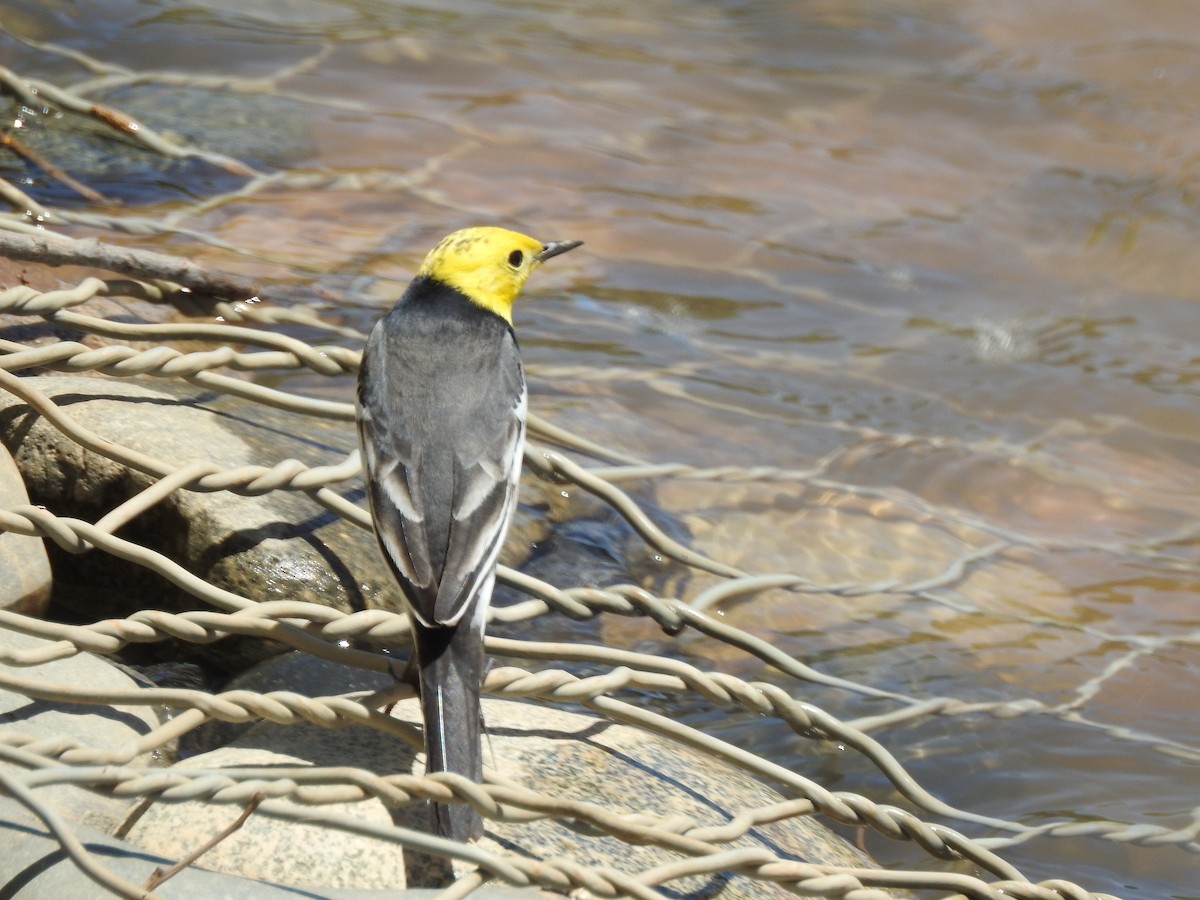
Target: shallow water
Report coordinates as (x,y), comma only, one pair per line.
(946,250)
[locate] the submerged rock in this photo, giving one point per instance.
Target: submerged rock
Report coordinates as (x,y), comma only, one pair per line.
(261,131)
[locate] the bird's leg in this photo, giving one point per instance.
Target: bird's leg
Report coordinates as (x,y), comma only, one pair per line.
(487,667)
(412,671)
(411,674)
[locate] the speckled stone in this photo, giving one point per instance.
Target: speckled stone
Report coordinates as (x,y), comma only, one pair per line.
(24,565)
(33,867)
(279,546)
(559,753)
(293,671)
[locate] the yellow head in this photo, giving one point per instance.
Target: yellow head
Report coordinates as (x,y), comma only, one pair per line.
(489,265)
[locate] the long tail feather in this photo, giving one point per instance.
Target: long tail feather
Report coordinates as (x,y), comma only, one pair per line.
(451,668)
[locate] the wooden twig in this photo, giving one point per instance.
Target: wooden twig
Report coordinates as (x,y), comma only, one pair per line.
(60,251)
(28,153)
(159,875)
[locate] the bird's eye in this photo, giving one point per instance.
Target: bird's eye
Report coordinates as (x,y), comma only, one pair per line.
(516,258)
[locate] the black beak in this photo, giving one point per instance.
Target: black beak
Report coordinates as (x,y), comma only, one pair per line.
(554,248)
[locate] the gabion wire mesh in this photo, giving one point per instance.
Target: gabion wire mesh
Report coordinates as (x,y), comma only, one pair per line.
(243,337)
(324,631)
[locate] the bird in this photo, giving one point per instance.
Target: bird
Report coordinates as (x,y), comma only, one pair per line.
(440,410)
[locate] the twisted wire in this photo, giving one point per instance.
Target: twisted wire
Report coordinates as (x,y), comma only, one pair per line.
(299,792)
(806,720)
(294,625)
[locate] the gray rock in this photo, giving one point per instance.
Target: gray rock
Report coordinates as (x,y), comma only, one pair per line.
(282,545)
(92,726)
(555,752)
(33,867)
(24,565)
